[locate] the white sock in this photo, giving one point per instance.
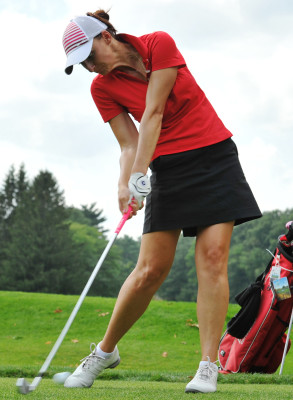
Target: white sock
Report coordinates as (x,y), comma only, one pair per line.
(206,363)
(203,363)
(102,353)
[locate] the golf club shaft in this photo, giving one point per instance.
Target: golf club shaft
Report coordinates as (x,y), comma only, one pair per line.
(287,343)
(80,300)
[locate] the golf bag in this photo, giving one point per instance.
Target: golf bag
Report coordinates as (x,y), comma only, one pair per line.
(255,338)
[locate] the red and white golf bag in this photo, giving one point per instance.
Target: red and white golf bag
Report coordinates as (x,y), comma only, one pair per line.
(255,340)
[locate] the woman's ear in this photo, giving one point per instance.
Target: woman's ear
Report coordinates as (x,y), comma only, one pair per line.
(106,36)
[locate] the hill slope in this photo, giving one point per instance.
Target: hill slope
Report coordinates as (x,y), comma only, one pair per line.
(162,341)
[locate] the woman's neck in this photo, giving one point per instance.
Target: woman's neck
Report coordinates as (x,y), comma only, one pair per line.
(131,61)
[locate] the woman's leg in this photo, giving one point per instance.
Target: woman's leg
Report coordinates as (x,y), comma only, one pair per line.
(155,260)
(211,258)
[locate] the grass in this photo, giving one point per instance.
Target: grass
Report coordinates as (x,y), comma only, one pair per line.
(127,390)
(29,326)
(159,355)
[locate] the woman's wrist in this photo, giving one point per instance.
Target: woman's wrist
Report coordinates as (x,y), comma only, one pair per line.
(122,184)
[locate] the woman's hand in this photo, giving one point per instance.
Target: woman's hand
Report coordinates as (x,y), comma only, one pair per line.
(123,199)
(139,186)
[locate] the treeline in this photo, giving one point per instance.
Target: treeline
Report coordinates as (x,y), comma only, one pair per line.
(48,247)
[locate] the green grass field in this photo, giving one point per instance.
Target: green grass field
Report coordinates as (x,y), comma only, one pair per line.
(158,356)
(128,390)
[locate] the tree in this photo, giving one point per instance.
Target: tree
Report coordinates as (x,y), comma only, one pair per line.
(39,238)
(190,289)
(3,240)
(41,249)
(90,244)
(22,185)
(88,215)
(12,194)
(129,250)
(94,215)
(9,193)
(182,274)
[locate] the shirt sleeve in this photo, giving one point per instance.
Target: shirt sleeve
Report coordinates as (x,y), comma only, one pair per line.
(107,106)
(164,52)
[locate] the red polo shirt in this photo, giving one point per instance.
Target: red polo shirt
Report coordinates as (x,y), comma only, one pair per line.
(189,120)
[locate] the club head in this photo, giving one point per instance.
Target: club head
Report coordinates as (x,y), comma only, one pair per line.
(23,386)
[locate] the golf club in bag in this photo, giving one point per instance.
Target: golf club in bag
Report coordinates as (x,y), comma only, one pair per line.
(287,242)
(256,339)
(22,385)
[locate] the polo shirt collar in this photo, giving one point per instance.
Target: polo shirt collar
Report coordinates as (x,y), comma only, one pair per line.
(139,45)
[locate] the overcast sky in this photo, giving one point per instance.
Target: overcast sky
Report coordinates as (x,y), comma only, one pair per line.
(239,51)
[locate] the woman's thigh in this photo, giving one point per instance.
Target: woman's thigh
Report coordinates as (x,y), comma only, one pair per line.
(157,250)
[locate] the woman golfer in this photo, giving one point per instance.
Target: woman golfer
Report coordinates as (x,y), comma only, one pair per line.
(197,184)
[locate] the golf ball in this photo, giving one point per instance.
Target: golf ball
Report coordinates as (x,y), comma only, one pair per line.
(61,377)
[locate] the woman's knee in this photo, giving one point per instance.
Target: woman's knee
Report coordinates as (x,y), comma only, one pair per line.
(155,258)
(214,264)
(150,274)
(212,249)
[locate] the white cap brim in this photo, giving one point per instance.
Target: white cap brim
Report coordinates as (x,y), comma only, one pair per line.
(78,55)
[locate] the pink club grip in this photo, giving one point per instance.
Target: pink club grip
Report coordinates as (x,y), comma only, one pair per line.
(289,224)
(123,220)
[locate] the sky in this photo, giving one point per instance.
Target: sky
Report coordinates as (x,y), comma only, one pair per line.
(240,53)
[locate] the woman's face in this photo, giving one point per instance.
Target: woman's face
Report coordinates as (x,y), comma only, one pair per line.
(102,58)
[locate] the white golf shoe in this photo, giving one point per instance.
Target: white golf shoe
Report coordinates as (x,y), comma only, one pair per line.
(91,367)
(205,380)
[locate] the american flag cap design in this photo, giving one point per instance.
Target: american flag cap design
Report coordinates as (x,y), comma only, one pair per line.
(78,39)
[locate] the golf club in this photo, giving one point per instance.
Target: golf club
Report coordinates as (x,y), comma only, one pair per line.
(289,238)
(22,385)
(286,344)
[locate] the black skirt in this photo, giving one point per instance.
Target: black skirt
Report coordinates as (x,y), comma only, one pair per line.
(198,188)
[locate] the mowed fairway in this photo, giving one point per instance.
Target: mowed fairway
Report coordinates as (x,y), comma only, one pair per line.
(133,390)
(158,356)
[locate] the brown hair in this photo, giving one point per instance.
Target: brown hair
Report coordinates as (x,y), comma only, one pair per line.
(104,17)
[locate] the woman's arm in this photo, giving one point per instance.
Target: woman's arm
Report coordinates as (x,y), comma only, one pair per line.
(160,85)
(137,150)
(127,136)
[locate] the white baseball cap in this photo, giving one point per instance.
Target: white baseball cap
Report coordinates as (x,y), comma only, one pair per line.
(78,39)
